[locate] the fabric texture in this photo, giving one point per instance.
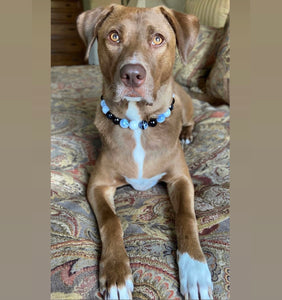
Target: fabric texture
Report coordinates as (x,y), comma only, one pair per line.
(147,217)
(210,12)
(200,59)
(217,84)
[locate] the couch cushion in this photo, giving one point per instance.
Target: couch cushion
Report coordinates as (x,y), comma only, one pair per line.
(147,217)
(218,80)
(210,12)
(200,60)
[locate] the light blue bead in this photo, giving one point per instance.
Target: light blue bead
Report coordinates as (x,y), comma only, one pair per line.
(123,123)
(167,113)
(105,109)
(133,125)
(103,103)
(161,118)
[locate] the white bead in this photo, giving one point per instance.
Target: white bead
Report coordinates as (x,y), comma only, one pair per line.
(133,125)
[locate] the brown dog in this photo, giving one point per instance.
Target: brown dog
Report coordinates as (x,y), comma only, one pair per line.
(142,115)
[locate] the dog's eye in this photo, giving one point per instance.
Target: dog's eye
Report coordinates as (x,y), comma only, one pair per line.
(157,40)
(114,37)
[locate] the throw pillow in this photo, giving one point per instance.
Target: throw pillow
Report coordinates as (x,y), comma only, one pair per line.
(218,80)
(200,60)
(210,12)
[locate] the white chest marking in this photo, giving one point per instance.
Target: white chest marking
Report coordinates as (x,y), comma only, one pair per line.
(138,152)
(139,183)
(143,184)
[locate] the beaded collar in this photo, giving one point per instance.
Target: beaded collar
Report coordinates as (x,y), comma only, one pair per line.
(133,125)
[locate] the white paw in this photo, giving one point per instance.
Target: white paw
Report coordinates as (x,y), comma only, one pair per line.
(195,278)
(119,293)
(185,141)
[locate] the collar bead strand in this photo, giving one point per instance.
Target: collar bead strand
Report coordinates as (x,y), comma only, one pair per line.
(133,125)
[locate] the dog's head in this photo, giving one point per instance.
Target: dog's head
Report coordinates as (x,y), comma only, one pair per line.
(136,47)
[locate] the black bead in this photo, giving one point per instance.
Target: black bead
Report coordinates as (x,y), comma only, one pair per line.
(172,104)
(109,115)
(116,120)
(153,122)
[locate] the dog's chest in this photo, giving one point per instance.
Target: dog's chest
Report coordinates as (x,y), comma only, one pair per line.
(139,183)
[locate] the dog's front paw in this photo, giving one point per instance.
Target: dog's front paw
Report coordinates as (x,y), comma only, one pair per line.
(195,278)
(186,136)
(116,282)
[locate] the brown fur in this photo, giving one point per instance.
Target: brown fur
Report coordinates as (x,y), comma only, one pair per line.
(161,143)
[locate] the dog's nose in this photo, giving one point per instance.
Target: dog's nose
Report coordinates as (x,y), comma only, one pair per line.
(133,75)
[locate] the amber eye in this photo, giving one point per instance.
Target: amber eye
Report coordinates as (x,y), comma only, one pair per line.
(157,40)
(114,37)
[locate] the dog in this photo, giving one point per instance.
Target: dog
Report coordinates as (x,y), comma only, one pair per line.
(142,115)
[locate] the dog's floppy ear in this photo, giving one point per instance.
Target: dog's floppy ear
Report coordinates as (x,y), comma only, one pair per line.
(88,24)
(186,28)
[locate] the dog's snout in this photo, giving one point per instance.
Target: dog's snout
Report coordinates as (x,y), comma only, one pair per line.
(133,75)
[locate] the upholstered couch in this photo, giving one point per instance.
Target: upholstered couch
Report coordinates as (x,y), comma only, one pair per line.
(147,217)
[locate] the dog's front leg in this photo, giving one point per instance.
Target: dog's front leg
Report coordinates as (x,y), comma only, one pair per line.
(115,275)
(186,135)
(194,274)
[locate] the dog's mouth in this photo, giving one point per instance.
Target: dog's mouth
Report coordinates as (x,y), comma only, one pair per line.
(132,95)
(132,99)
(120,93)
